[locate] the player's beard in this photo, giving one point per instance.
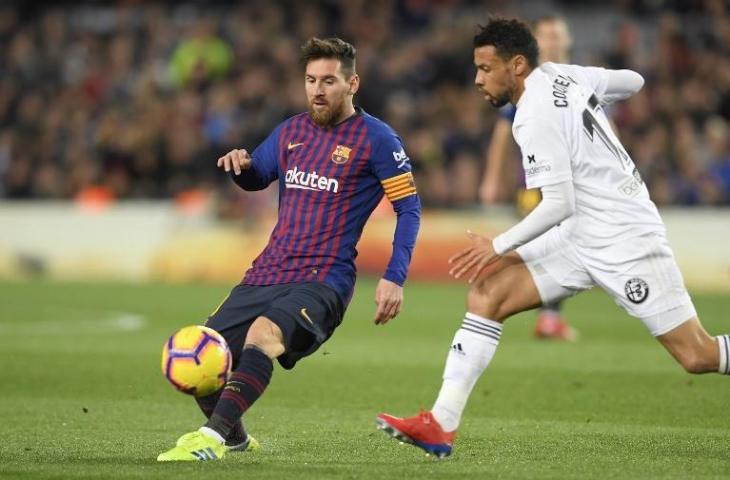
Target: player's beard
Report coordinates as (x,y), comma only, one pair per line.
(327,117)
(500,101)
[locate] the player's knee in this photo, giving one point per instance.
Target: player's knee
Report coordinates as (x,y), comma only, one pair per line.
(486,299)
(266,336)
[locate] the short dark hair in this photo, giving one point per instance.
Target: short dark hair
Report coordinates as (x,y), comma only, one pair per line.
(316,48)
(509,37)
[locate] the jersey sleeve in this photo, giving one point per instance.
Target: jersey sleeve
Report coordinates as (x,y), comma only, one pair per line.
(265,164)
(392,167)
(609,85)
(595,78)
(545,153)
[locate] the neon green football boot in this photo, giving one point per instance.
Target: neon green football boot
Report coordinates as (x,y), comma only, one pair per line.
(249,445)
(194,446)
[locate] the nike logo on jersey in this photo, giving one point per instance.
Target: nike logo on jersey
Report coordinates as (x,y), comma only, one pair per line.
(292,146)
(303,311)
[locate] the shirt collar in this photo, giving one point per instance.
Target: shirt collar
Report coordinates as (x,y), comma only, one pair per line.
(530,79)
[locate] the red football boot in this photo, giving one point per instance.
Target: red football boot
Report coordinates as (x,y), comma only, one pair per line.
(551,325)
(422,431)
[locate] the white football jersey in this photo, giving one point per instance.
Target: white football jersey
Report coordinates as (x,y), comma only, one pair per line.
(564,135)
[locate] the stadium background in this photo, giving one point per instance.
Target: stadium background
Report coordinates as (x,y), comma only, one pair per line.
(115,229)
(119,109)
(135,99)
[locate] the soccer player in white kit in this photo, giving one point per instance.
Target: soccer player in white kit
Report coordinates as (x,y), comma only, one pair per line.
(595,225)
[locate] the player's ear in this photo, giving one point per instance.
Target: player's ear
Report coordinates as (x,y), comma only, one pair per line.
(519,64)
(354,84)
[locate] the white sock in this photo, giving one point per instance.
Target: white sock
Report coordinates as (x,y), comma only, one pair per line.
(723,342)
(471,351)
(212,433)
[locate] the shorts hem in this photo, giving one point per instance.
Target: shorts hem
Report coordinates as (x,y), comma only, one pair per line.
(666,321)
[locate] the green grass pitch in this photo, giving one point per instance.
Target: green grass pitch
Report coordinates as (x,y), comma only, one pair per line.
(83,396)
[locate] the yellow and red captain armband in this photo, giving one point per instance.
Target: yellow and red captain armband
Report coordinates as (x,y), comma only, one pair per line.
(400,186)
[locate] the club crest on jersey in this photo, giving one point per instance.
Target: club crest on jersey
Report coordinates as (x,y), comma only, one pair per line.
(636,290)
(341,154)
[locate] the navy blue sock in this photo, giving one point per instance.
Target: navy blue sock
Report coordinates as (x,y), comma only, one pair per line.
(207,405)
(246,384)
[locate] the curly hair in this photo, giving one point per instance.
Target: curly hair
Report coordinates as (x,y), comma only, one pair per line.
(316,48)
(509,37)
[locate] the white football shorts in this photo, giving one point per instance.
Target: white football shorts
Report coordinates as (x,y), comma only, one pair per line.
(640,274)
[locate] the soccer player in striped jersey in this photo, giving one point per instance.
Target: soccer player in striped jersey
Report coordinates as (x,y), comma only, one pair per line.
(333,165)
(595,226)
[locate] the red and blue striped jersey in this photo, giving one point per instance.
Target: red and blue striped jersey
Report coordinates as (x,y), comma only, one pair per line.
(330,181)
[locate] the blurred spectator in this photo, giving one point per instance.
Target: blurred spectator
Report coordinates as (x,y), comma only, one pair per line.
(138,100)
(202,57)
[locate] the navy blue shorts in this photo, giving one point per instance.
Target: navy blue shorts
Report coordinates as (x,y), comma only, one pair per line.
(307,314)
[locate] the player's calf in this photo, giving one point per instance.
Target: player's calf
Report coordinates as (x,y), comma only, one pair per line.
(696,362)
(695,350)
(245,385)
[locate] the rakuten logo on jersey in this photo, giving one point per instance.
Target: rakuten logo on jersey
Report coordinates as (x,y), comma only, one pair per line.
(296,178)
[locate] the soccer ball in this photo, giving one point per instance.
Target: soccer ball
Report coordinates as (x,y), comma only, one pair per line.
(196,360)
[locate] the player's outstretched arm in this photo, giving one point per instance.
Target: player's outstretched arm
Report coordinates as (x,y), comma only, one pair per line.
(621,84)
(236,160)
(245,172)
(610,85)
(557,204)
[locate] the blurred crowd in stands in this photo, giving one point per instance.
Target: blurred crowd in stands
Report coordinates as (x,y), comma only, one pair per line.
(137,101)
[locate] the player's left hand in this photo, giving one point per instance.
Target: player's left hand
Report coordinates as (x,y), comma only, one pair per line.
(389,299)
(475,258)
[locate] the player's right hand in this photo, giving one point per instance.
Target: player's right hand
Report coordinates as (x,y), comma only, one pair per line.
(475,258)
(236,160)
